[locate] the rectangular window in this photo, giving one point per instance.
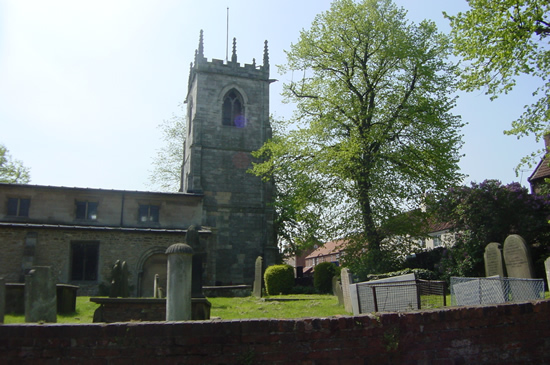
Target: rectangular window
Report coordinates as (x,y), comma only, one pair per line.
(84,260)
(18,207)
(148,213)
(86,210)
(437,241)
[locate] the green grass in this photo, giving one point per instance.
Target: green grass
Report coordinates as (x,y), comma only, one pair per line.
(280,306)
(286,306)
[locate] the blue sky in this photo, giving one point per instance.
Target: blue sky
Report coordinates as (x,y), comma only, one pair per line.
(85,84)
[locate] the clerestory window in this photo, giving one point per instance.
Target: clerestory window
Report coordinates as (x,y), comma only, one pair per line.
(233,109)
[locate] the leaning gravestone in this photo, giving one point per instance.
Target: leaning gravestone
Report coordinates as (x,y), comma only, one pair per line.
(40,295)
(346,281)
(517,258)
(257,290)
(547,267)
(493,260)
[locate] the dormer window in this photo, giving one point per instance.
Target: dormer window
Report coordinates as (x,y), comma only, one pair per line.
(233,109)
(86,210)
(18,207)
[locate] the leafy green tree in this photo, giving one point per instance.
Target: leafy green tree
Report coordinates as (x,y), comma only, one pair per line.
(12,170)
(489,212)
(500,40)
(372,130)
(322,277)
(167,164)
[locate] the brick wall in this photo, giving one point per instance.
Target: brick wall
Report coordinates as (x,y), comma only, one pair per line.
(500,334)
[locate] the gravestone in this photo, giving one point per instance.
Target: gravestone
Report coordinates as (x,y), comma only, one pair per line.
(493,260)
(40,295)
(2,299)
(346,282)
(517,258)
(337,290)
(178,291)
(257,290)
(124,289)
(547,267)
(156,287)
(116,279)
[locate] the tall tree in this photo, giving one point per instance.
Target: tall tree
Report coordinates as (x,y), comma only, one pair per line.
(489,212)
(373,129)
(12,170)
(500,40)
(167,164)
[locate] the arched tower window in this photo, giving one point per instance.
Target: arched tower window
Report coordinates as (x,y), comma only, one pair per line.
(233,109)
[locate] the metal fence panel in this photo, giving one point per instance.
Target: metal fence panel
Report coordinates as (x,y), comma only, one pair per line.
(494,290)
(399,296)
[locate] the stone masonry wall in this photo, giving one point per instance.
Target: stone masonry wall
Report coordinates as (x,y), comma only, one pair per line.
(53,248)
(500,334)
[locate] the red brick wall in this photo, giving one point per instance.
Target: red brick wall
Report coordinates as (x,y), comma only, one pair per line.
(509,333)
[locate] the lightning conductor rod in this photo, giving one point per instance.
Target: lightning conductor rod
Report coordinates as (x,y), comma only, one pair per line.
(227,38)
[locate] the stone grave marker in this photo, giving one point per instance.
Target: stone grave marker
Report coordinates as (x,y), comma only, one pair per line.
(337,290)
(517,258)
(178,291)
(493,260)
(257,290)
(346,282)
(40,295)
(2,299)
(547,268)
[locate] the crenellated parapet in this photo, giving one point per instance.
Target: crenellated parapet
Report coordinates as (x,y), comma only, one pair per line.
(231,67)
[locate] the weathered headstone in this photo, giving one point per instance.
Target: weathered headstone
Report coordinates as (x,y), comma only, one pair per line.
(2,299)
(124,289)
(40,295)
(178,291)
(116,280)
(493,260)
(257,290)
(156,287)
(337,290)
(517,258)
(346,282)
(547,267)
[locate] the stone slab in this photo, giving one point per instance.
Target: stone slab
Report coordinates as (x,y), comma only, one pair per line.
(40,295)
(517,258)
(346,289)
(493,260)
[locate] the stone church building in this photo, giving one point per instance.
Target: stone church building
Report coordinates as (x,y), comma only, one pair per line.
(81,232)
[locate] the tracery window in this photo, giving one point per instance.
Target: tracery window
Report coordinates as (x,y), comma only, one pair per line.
(233,109)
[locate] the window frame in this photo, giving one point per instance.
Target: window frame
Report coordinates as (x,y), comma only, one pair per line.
(84,255)
(233,96)
(90,210)
(153,213)
(20,211)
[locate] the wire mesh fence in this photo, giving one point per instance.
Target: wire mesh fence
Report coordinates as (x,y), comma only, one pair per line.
(494,290)
(398,296)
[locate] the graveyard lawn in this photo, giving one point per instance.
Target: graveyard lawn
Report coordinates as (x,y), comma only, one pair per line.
(295,306)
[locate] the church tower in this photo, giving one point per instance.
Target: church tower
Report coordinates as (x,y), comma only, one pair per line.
(227,119)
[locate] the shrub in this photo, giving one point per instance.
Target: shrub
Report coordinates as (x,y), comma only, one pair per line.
(279,279)
(322,277)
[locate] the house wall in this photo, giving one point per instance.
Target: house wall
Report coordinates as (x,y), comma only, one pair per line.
(499,334)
